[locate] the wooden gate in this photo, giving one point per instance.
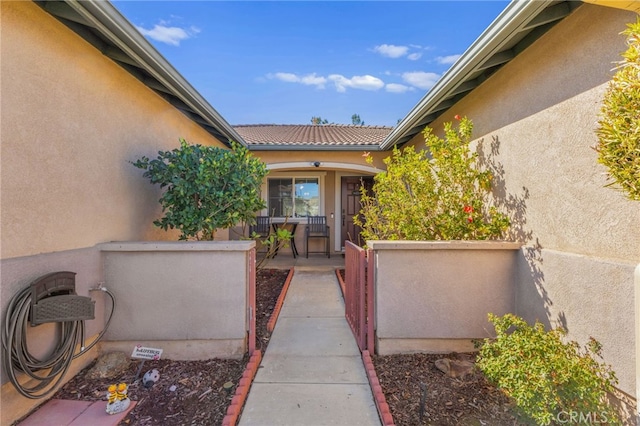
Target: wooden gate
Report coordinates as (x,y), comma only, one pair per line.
(358,295)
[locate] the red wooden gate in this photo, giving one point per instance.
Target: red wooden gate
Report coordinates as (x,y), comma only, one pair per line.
(358,295)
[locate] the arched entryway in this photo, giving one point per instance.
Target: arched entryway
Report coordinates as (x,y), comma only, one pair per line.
(340,193)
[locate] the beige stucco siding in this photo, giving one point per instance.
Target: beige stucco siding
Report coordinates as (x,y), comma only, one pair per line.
(542,110)
(72,119)
(583,240)
(354,158)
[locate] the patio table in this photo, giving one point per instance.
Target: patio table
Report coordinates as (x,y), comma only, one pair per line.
(291,226)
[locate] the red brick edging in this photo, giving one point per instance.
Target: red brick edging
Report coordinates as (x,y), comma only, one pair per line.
(233,412)
(340,281)
(376,389)
(242,390)
(276,310)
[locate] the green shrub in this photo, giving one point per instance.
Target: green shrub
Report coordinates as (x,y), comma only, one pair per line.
(619,126)
(439,193)
(548,379)
(205,188)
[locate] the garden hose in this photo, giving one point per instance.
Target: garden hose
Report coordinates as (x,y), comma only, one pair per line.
(16,355)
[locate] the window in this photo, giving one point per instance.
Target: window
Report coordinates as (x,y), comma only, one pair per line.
(294,197)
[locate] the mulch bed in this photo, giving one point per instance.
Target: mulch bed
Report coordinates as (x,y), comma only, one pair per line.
(447,401)
(200,397)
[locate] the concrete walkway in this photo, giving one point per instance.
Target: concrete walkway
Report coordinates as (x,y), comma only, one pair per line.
(312,372)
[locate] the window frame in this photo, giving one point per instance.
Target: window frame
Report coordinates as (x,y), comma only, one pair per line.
(320,176)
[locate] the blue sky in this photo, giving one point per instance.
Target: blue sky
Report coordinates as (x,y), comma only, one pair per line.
(283,62)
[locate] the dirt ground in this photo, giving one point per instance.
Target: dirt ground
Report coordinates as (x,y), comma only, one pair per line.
(200,398)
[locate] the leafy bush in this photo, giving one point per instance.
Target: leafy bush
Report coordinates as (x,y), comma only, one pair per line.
(547,378)
(438,193)
(206,188)
(619,126)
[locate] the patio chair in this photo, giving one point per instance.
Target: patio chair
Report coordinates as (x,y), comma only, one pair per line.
(317,228)
(262,227)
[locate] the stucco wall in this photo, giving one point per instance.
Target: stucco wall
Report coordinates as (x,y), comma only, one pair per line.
(435,296)
(170,295)
(345,157)
(176,296)
(18,273)
(539,112)
(72,119)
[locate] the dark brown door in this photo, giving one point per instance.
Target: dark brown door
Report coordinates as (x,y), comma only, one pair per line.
(351,195)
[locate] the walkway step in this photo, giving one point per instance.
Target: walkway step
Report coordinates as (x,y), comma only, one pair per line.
(312,372)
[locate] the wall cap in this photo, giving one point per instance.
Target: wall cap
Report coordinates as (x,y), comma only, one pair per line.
(444,245)
(177,246)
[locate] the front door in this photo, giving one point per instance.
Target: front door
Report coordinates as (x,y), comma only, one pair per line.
(351,206)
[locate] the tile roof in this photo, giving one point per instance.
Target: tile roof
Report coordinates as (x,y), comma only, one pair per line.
(311,136)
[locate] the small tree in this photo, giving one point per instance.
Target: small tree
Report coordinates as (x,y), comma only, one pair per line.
(319,121)
(619,126)
(435,194)
(356,120)
(206,188)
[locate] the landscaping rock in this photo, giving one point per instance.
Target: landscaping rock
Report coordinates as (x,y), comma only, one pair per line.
(457,369)
(109,365)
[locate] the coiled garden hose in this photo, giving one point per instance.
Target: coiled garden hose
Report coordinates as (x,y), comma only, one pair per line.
(16,355)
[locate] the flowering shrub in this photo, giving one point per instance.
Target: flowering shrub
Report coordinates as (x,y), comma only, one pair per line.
(549,380)
(435,194)
(619,126)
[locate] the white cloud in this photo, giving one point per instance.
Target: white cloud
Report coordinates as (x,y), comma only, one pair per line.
(397,88)
(168,35)
(313,80)
(363,82)
(414,56)
(342,83)
(285,76)
(447,60)
(366,82)
(308,80)
(391,51)
(421,79)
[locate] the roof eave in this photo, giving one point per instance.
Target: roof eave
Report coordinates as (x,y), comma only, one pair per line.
(514,17)
(107,19)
